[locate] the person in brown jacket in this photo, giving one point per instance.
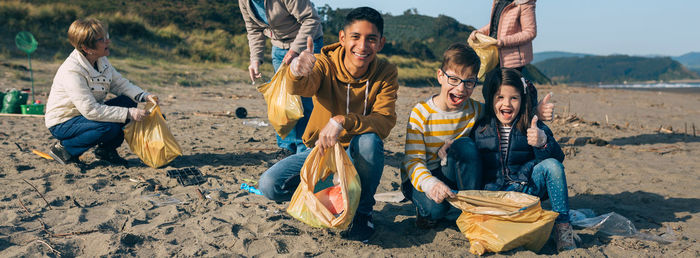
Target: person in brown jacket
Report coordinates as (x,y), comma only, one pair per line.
(514,26)
(287,23)
(354,95)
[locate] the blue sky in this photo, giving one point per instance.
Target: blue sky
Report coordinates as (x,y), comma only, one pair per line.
(602,27)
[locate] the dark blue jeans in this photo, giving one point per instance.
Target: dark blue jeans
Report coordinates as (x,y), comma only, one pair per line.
(79,134)
(293,141)
(548,178)
(366,152)
(462,172)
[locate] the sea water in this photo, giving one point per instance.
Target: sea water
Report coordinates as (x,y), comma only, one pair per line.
(662,85)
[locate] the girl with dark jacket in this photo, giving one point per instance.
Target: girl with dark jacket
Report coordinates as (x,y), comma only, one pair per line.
(519,153)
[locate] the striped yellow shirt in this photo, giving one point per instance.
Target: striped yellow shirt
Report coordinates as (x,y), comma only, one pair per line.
(428,128)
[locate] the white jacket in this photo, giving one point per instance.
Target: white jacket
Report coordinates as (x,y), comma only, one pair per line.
(79,89)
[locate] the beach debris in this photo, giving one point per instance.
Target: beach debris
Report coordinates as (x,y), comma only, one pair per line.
(665,149)
(42,154)
(51,249)
(250,181)
(224,114)
(241,112)
(615,225)
(187,176)
(37,191)
(160,199)
(665,130)
(19,147)
(394,196)
(201,195)
(250,189)
(256,123)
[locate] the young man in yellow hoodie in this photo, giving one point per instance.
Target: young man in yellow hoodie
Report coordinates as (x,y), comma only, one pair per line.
(354,95)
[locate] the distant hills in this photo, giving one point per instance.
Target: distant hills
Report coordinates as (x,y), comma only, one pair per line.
(690,60)
(614,69)
(541,56)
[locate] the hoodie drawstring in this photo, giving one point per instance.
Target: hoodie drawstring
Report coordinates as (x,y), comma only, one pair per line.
(347,99)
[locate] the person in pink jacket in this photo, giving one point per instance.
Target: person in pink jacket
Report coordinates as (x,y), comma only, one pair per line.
(513,25)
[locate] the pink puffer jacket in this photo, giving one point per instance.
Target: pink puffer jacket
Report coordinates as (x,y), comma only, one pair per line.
(516,30)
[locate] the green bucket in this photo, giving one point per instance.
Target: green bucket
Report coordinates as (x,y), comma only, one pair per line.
(33,109)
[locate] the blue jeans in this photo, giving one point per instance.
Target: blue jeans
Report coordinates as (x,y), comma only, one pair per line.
(79,134)
(548,178)
(366,152)
(293,141)
(462,172)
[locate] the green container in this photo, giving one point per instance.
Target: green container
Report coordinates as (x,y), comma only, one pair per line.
(34,109)
(12,102)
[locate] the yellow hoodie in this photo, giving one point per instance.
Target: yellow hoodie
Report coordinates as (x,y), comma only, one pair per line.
(370,106)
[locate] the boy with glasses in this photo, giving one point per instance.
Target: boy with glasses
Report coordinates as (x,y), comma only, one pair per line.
(440,156)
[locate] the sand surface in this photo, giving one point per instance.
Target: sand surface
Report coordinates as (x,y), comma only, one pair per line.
(648,176)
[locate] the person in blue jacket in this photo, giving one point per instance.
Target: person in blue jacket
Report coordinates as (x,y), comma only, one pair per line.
(518,152)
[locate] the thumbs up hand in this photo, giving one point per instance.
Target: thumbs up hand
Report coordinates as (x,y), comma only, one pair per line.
(536,136)
(545,109)
(304,63)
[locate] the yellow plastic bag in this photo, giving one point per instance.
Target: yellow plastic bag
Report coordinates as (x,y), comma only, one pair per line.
(306,206)
(283,109)
(151,140)
(498,221)
(485,47)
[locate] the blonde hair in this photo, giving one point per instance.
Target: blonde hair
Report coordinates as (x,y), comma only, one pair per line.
(84,33)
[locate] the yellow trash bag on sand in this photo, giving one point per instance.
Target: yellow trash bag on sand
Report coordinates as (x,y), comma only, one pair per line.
(485,47)
(306,206)
(151,140)
(283,109)
(498,221)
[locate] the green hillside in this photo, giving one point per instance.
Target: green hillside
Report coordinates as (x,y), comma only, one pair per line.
(541,56)
(209,31)
(614,69)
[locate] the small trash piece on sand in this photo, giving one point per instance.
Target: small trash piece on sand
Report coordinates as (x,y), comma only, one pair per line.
(255,123)
(161,199)
(241,112)
(395,196)
(250,181)
(187,176)
(250,189)
(42,154)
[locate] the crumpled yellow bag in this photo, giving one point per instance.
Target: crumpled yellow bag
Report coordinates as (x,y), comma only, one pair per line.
(283,109)
(498,221)
(305,205)
(151,140)
(485,47)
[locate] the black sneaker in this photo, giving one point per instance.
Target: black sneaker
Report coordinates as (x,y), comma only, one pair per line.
(362,228)
(59,153)
(110,155)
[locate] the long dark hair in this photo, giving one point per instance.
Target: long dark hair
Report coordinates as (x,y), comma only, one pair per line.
(498,77)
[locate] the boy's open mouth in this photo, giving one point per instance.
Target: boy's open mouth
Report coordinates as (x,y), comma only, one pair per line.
(456,99)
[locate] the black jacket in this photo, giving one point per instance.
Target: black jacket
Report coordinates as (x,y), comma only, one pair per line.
(521,157)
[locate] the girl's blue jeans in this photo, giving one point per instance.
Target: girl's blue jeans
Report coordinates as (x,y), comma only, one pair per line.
(548,178)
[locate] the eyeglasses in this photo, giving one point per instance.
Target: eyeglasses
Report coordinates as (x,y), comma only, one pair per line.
(103,39)
(456,81)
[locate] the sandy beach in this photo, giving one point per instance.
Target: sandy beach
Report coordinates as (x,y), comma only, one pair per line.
(628,151)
